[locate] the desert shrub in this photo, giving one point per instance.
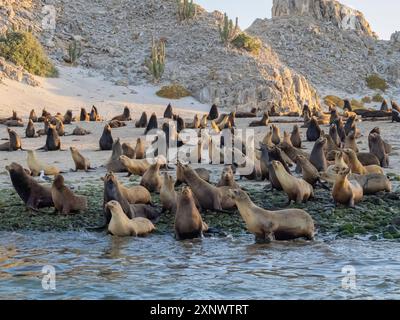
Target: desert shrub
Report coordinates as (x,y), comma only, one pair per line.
(156,63)
(377,98)
(334,101)
(248,43)
(173,91)
(74,51)
(186,9)
(375,82)
(23,49)
(366,99)
(228,30)
(356,104)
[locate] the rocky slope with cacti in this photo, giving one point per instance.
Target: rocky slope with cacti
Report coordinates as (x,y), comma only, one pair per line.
(116,39)
(330,44)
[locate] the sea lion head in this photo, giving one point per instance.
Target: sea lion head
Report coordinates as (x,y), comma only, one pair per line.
(375,130)
(350,153)
(276,165)
(124,159)
(58,182)
(73,149)
(114,207)
(187,192)
(14,167)
(322,141)
(237,194)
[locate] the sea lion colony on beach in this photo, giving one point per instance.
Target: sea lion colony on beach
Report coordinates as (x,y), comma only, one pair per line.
(334,160)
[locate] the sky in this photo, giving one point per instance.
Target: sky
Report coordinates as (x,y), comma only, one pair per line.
(383,15)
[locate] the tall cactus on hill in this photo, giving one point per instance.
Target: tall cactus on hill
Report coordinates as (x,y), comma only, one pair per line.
(186,9)
(156,63)
(228,30)
(74,51)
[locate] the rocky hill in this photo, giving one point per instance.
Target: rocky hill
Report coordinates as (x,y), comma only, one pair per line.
(116,37)
(332,45)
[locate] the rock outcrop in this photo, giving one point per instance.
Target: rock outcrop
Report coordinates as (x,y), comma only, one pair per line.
(11,71)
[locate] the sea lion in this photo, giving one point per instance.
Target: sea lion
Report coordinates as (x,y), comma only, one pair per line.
(368,159)
(168,195)
(168,113)
(272,111)
(347,105)
(94,114)
(114,164)
(334,115)
(201,172)
(153,124)
(44,116)
(395,115)
(267,140)
(60,127)
(133,194)
(106,141)
(30,129)
(14,123)
(373,183)
(142,123)
(128,150)
(33,116)
(203,121)
(268,225)
(297,189)
(14,142)
(333,133)
(68,117)
(79,131)
(261,123)
(36,165)
(377,147)
(313,130)
(152,179)
(395,106)
(213,114)
(227,178)
(345,191)
(116,124)
(350,142)
(65,201)
(34,195)
(295,137)
(388,146)
(244,114)
(309,172)
(195,124)
(276,135)
(188,221)
(340,129)
(43,132)
(135,166)
(84,115)
(384,106)
(350,125)
(81,163)
(125,116)
(274,154)
(330,147)
(293,152)
(317,157)
(356,166)
(53,142)
(120,225)
(180,124)
(140,149)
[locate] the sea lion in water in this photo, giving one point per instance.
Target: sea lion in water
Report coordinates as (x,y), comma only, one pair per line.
(313,130)
(297,189)
(168,113)
(114,164)
(120,225)
(68,117)
(188,221)
(79,131)
(168,195)
(84,115)
(30,129)
(356,166)
(227,178)
(268,225)
(128,150)
(135,166)
(36,165)
(261,123)
(142,123)
(151,179)
(377,147)
(14,142)
(94,114)
(34,195)
(140,149)
(153,124)
(106,141)
(295,137)
(345,191)
(81,163)
(33,116)
(213,114)
(125,116)
(65,201)
(317,157)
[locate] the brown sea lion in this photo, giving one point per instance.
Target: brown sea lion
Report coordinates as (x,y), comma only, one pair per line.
(267,140)
(33,116)
(36,166)
(195,124)
(30,129)
(309,172)
(142,123)
(244,114)
(168,113)
(168,195)
(377,147)
(350,125)
(128,150)
(345,191)
(188,221)
(293,152)
(34,195)
(333,133)
(261,123)
(94,114)
(14,142)
(133,194)
(81,163)
(140,149)
(106,141)
(373,183)
(272,111)
(368,159)
(68,117)
(44,116)
(395,115)
(384,106)
(65,201)
(313,130)
(79,131)
(227,178)
(268,156)
(350,142)
(53,141)
(14,123)
(347,105)
(152,179)
(122,226)
(125,116)
(43,132)
(84,116)
(330,148)
(153,124)
(269,225)
(60,127)
(201,172)
(180,124)
(203,122)
(295,137)
(276,135)
(213,114)
(317,157)
(388,146)
(356,166)
(135,166)
(114,124)
(297,189)
(114,164)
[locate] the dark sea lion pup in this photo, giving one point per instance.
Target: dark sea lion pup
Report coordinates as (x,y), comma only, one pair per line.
(65,201)
(106,141)
(84,116)
(395,115)
(14,142)
(188,221)
(313,130)
(153,124)
(213,114)
(269,225)
(142,123)
(30,129)
(33,116)
(53,141)
(168,113)
(295,137)
(68,117)
(34,195)
(125,116)
(94,114)
(114,164)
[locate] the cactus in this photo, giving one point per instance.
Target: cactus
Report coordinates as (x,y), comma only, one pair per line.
(156,63)
(227,30)
(74,51)
(186,10)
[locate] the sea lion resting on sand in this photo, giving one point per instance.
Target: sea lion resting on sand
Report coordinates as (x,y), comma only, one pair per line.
(34,195)
(116,124)
(120,225)
(65,201)
(79,131)
(268,225)
(345,191)
(152,125)
(125,116)
(84,116)
(313,130)
(36,165)
(261,123)
(168,195)
(81,163)
(14,142)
